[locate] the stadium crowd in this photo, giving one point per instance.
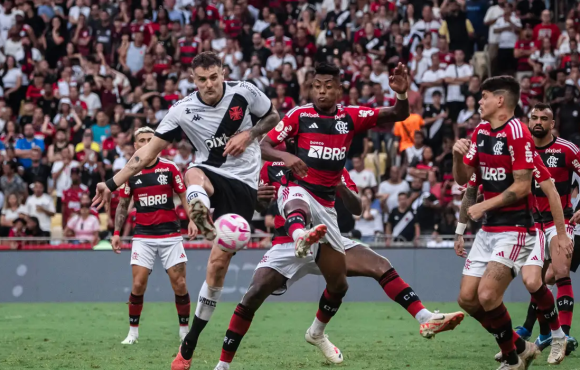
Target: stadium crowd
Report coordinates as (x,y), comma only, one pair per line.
(78,77)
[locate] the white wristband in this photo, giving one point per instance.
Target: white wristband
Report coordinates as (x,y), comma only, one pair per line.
(460,228)
(402,96)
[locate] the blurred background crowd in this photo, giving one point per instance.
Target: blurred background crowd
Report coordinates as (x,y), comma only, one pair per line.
(77,77)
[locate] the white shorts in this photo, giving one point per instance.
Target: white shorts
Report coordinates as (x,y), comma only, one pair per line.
(282,259)
(551,232)
(509,248)
(170,250)
(319,214)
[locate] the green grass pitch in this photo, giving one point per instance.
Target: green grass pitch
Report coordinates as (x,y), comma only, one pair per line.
(372,336)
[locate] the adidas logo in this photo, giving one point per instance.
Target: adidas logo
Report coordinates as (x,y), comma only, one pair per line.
(500,254)
(280,174)
(138,182)
(314,125)
(182,255)
(535,258)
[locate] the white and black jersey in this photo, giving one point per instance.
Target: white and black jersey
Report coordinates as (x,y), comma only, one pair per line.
(210,127)
(403,223)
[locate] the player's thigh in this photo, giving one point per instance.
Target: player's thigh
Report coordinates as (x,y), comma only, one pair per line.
(479,255)
(218,262)
(532,271)
(140,279)
(363,261)
(332,265)
(327,216)
(294,198)
(493,284)
(143,253)
(532,277)
(264,282)
(231,196)
(171,252)
(196,176)
(560,262)
(468,299)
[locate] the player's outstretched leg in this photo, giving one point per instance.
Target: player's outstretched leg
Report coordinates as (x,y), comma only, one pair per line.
(332,264)
(140,277)
(182,302)
(363,261)
(265,282)
(199,189)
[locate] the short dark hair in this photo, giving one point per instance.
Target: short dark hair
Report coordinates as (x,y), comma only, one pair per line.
(206,60)
(436,93)
(327,69)
(542,106)
(506,84)
(402,193)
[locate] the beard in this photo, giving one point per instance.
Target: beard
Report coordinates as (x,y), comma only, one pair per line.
(540,134)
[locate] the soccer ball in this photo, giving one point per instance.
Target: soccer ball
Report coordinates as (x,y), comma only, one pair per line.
(232,232)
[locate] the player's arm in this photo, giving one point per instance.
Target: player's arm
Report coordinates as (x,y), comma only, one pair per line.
(399,83)
(551,193)
(265,195)
(350,199)
(121,216)
(469,199)
(465,159)
(285,129)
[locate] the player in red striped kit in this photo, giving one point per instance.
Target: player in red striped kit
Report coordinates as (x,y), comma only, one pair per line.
(157,233)
(502,150)
(280,268)
(323,132)
(562,158)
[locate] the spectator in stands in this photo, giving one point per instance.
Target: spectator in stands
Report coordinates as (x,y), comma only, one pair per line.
(467,112)
(389,189)
(86,145)
(403,224)
(83,226)
(404,131)
(362,177)
(567,117)
(184,155)
(280,56)
(23,147)
(525,47)
(370,222)
(457,28)
(60,142)
(18,230)
(508,28)
(48,102)
(420,168)
(102,129)
(546,55)
(91,99)
(38,171)
(457,77)
(41,206)
(61,175)
(12,82)
(433,80)
(530,10)
(71,197)
(11,182)
(12,210)
(547,29)
(434,115)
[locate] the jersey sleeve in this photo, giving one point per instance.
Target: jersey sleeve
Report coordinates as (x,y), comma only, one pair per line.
(574,159)
(286,128)
(347,180)
(178,184)
(169,129)
(521,147)
(472,156)
(125,191)
(264,178)
(474,180)
(363,118)
(541,173)
(258,103)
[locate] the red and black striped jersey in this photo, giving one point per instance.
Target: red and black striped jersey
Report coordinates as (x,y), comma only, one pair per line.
(322,142)
(152,191)
(497,153)
(562,158)
(272,174)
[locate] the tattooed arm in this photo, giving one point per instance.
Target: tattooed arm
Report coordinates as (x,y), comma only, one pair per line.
(520,188)
(140,159)
(469,199)
(120,218)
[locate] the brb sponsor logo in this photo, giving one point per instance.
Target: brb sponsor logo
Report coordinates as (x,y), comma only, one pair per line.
(324,152)
(217,141)
(152,200)
(493,174)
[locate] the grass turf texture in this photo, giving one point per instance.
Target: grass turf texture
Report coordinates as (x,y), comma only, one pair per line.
(372,336)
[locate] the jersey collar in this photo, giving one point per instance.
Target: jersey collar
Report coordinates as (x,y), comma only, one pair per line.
(502,126)
(547,145)
(219,101)
(153,165)
(325,114)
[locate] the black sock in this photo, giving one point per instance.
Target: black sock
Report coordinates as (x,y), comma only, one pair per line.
(520,345)
(530,317)
(190,341)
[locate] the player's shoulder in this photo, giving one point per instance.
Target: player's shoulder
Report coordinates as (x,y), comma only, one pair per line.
(302,110)
(164,162)
(245,88)
(268,164)
(357,110)
(183,104)
(516,129)
(566,145)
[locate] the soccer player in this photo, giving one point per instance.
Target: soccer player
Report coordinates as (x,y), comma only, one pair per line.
(223,121)
(562,159)
(502,151)
(323,132)
(280,268)
(157,232)
(532,268)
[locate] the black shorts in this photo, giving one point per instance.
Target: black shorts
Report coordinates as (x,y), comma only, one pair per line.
(231,196)
(576,255)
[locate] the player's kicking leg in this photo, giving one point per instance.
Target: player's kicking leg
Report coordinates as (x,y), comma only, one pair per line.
(363,261)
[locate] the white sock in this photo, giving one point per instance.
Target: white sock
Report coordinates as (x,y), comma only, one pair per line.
(298,233)
(317,328)
(207,301)
(423,316)
(183,329)
(134,331)
(558,333)
(196,191)
(224,365)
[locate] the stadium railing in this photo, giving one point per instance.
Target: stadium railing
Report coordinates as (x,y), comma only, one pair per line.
(258,241)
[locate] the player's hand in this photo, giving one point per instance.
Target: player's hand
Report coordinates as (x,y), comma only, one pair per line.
(459,246)
(296,165)
(461,147)
(398,81)
(116,243)
(238,143)
(476,212)
(266,192)
(565,245)
(191,230)
(102,197)
(576,218)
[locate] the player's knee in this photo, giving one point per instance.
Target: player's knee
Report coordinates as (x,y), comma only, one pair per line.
(339,288)
(550,279)
(299,206)
(533,282)
(468,301)
(179,285)
(139,287)
(488,298)
(256,295)
(194,176)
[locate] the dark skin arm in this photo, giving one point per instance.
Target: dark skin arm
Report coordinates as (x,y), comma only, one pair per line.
(350,199)
(399,83)
(265,195)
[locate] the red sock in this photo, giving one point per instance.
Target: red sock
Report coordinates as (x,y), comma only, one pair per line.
(401,292)
(183,305)
(239,325)
(565,303)
(546,306)
(328,306)
(294,221)
(482,317)
(135,308)
(501,324)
